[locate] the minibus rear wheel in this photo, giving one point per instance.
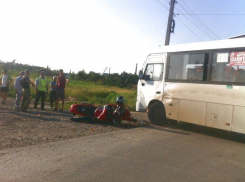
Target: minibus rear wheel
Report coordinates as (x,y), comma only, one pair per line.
(157,114)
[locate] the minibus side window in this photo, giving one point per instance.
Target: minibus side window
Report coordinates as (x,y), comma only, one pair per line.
(195,67)
(186,67)
(228,67)
(177,67)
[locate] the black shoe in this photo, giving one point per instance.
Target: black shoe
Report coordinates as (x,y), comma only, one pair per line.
(43,109)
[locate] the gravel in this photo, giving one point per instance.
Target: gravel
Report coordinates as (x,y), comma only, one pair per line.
(20,129)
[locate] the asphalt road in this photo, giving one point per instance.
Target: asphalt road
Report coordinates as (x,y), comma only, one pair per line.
(151,153)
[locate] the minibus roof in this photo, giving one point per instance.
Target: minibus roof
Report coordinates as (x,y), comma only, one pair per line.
(210,45)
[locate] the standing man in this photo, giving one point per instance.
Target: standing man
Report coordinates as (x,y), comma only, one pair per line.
(53,91)
(18,91)
(41,89)
(60,92)
(6,80)
(25,83)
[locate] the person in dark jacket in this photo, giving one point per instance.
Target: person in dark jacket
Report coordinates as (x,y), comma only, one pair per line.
(60,90)
(53,91)
(25,83)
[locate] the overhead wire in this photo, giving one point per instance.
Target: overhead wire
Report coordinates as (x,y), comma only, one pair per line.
(197,18)
(162,4)
(181,21)
(199,27)
(189,29)
(215,14)
(197,24)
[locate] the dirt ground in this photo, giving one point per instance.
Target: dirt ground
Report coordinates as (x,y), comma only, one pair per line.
(19,129)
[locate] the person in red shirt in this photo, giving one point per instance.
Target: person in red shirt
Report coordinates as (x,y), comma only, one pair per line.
(60,90)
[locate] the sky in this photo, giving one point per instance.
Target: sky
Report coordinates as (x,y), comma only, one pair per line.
(91,35)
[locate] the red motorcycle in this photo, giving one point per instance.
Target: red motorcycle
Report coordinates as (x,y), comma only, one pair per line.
(106,113)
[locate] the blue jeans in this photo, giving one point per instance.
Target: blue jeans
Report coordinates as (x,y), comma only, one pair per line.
(17,101)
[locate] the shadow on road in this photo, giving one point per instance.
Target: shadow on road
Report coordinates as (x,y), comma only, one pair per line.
(98,122)
(165,128)
(172,126)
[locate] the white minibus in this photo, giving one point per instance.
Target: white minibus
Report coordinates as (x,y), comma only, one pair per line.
(200,83)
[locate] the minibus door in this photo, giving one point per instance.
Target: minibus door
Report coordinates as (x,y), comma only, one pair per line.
(151,84)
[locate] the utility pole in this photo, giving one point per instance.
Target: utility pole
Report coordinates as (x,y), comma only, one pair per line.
(136,69)
(171,23)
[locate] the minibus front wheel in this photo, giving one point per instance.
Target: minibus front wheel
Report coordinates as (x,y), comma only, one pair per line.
(157,114)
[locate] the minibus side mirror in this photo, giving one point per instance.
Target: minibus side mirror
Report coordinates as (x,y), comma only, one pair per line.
(141,75)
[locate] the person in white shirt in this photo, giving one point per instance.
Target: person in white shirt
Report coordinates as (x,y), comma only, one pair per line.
(5,81)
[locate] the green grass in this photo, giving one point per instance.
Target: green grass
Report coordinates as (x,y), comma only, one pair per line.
(95,93)
(99,94)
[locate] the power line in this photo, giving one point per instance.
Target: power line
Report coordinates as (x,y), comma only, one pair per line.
(200,24)
(197,24)
(189,29)
(199,27)
(181,21)
(198,19)
(162,4)
(215,14)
